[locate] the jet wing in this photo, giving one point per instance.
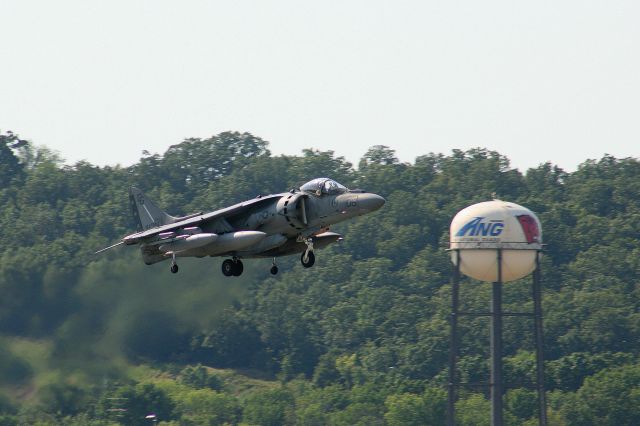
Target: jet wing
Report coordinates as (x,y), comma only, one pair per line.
(197,220)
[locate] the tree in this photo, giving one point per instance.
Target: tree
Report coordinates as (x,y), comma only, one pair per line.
(419,410)
(11,169)
(569,372)
(610,397)
(268,408)
(378,154)
(196,162)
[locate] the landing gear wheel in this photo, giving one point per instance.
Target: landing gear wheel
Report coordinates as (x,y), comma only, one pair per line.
(311,259)
(274,270)
(174,266)
(227,268)
(238,267)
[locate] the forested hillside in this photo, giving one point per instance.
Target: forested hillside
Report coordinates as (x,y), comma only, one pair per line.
(359,339)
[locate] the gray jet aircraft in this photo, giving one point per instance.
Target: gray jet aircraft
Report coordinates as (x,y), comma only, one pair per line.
(275,225)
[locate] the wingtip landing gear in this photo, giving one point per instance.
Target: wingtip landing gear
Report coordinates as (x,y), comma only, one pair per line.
(174,266)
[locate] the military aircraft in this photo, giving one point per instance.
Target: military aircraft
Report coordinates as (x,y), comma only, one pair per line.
(274,225)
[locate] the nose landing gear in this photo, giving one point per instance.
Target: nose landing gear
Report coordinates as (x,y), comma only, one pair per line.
(308,258)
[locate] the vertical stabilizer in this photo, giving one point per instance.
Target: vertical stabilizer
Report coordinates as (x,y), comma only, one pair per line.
(147,213)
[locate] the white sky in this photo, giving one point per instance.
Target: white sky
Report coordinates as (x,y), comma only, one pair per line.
(537,81)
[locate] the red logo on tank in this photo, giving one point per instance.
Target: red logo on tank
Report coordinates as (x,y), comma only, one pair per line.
(530,228)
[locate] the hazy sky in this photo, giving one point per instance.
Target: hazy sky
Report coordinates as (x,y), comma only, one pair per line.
(537,81)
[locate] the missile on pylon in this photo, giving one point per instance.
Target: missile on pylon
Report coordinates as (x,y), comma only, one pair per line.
(206,244)
(188,242)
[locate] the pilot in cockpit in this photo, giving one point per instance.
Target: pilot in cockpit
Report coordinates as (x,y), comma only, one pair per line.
(322,186)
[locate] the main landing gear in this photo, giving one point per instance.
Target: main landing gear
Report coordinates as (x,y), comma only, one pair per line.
(308,258)
(274,267)
(232,267)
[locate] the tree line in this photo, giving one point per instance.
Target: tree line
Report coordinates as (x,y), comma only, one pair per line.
(360,338)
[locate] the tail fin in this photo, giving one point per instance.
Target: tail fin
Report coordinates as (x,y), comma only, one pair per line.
(147,213)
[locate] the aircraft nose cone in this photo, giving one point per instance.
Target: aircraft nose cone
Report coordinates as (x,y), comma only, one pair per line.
(372,202)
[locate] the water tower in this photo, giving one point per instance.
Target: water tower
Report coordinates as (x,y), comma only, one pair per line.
(498,242)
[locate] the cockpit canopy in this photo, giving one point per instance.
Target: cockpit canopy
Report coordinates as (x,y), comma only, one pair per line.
(324,186)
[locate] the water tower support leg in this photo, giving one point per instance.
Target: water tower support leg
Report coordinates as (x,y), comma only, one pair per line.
(453,343)
(537,311)
(496,347)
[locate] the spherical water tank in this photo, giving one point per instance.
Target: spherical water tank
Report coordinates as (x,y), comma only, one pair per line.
(478,231)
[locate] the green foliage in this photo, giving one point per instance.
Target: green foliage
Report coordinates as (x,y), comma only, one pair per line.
(362,338)
(8,420)
(231,341)
(419,410)
(63,399)
(521,403)
(130,404)
(11,167)
(568,372)
(268,408)
(153,335)
(207,407)
(198,377)
(6,407)
(13,369)
(610,397)
(473,411)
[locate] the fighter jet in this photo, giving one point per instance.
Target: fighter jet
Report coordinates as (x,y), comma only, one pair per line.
(274,225)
